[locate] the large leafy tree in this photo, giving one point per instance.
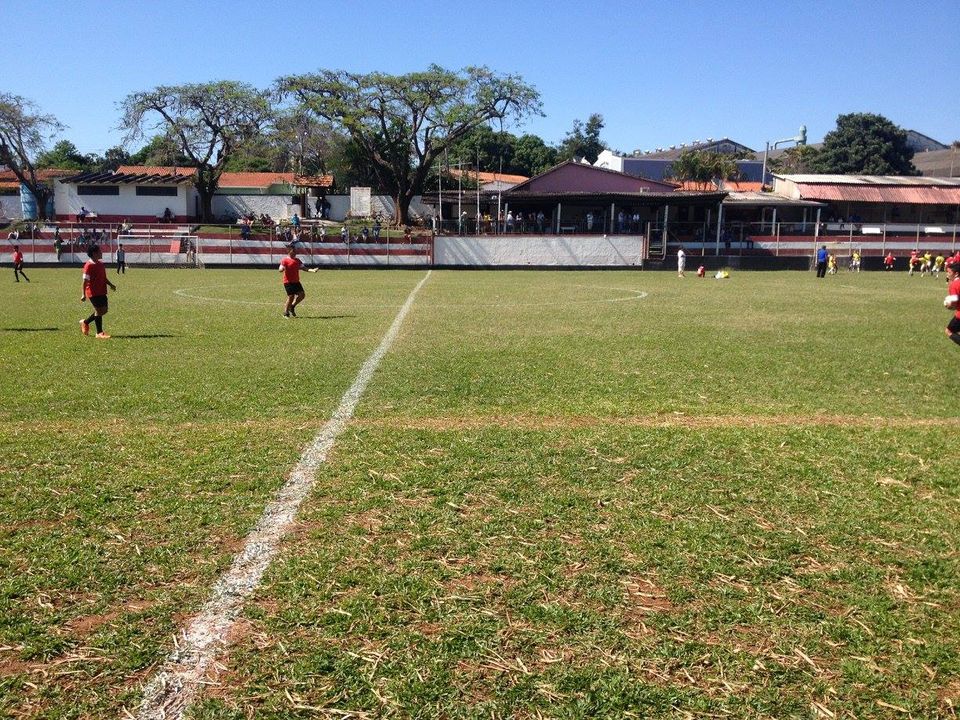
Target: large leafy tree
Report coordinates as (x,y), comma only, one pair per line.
(66,156)
(532,156)
(400,125)
(868,144)
(583,141)
(24,134)
(207,122)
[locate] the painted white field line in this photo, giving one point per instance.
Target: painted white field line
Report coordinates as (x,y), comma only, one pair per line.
(171,691)
(190,294)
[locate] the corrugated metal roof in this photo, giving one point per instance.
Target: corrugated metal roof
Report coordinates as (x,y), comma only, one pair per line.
(872,180)
(880,194)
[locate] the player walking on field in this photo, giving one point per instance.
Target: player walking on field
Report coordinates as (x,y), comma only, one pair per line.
(681,262)
(952,301)
(290,267)
(95,284)
(18,264)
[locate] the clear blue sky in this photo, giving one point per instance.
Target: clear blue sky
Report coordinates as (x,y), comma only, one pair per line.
(660,73)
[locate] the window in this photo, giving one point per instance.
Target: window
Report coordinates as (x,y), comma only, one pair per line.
(98,189)
(156,191)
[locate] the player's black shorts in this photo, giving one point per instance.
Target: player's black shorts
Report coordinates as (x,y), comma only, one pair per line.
(293,288)
(954,325)
(99,302)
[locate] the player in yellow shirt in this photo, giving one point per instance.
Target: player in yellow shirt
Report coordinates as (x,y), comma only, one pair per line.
(855,262)
(938,262)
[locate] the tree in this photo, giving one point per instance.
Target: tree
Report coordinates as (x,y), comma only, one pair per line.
(401,124)
(64,155)
(584,140)
(532,156)
(703,168)
(797,159)
(208,123)
(24,133)
(867,144)
(160,151)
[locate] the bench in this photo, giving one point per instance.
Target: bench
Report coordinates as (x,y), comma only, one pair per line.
(568,228)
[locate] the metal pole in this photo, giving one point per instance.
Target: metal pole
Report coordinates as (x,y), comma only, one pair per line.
(763,175)
(612,205)
(719,224)
(558,218)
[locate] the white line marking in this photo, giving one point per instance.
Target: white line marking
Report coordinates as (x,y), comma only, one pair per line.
(170,692)
(188,293)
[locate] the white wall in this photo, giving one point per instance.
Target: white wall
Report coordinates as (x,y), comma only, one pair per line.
(340,206)
(67,202)
(236,205)
(536,250)
(10,207)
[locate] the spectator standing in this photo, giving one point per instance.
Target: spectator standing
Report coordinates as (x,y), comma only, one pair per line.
(58,243)
(681,262)
(540,221)
(121,260)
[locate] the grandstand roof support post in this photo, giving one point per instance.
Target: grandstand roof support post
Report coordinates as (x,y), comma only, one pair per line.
(666,222)
(816,228)
(558,218)
(719,224)
(774,223)
(612,217)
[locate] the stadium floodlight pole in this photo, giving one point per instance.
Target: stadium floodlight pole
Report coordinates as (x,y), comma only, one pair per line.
(799,139)
(478,190)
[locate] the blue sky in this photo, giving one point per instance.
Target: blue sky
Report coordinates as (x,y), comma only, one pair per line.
(660,73)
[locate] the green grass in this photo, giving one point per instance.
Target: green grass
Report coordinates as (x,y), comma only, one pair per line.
(558,499)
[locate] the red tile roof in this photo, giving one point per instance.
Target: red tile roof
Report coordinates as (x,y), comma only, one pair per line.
(731,185)
(8,180)
(488,177)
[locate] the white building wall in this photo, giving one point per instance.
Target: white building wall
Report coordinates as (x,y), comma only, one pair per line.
(233,206)
(609,160)
(68,202)
(536,250)
(385,205)
(10,207)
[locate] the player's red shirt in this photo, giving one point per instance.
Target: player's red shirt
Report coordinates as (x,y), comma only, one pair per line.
(291,269)
(94,278)
(17,257)
(888,260)
(954,289)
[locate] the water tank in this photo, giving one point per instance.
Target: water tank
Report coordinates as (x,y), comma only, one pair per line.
(28,203)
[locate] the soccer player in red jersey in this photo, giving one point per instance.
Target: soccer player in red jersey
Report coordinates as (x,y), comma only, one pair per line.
(95,283)
(952,301)
(18,264)
(290,267)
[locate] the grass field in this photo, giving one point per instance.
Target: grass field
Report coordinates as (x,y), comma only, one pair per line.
(564,494)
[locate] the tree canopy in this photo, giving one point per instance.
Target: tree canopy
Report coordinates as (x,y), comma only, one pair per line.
(868,144)
(24,134)
(401,124)
(207,123)
(583,141)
